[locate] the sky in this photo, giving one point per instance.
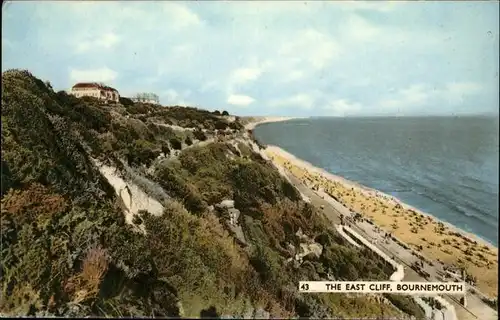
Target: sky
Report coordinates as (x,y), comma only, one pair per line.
(332,58)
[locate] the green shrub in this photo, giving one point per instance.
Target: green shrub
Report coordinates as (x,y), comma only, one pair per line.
(266,263)
(140,108)
(200,135)
(38,147)
(406,304)
(178,188)
(211,156)
(175,143)
(7,182)
(126,102)
(235,125)
(141,152)
(254,183)
(161,132)
(188,116)
(221,125)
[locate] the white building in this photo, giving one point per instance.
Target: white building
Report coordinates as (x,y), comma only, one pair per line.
(97,90)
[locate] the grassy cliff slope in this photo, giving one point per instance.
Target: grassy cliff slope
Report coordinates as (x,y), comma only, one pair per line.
(68,250)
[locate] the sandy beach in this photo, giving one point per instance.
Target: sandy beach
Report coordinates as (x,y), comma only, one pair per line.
(433,239)
(255,121)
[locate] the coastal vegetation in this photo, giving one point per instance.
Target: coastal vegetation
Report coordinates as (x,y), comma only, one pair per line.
(68,249)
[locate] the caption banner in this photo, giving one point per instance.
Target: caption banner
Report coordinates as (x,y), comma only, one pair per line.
(424,288)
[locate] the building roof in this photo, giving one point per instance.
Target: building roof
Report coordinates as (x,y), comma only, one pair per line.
(93,85)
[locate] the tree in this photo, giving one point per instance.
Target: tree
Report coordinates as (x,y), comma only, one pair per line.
(225,113)
(216,112)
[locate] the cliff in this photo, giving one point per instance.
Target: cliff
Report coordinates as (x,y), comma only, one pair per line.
(132,209)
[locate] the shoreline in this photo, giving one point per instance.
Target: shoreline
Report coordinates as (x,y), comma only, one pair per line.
(255,121)
(306,171)
(371,192)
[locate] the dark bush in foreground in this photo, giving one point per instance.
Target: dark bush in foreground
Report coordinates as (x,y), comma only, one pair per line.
(176,144)
(141,108)
(200,135)
(221,125)
(165,149)
(235,125)
(126,101)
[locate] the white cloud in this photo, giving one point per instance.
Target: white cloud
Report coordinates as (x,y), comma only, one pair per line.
(358,29)
(98,75)
(359,35)
(179,16)
(173,97)
(240,100)
(268,7)
(455,92)
(312,47)
(108,40)
(387,6)
(239,77)
(422,95)
(343,107)
(208,86)
(464,88)
(417,95)
(301,100)
(102,41)
(294,75)
(243,75)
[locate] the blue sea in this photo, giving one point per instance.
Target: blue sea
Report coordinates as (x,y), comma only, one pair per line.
(444,166)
